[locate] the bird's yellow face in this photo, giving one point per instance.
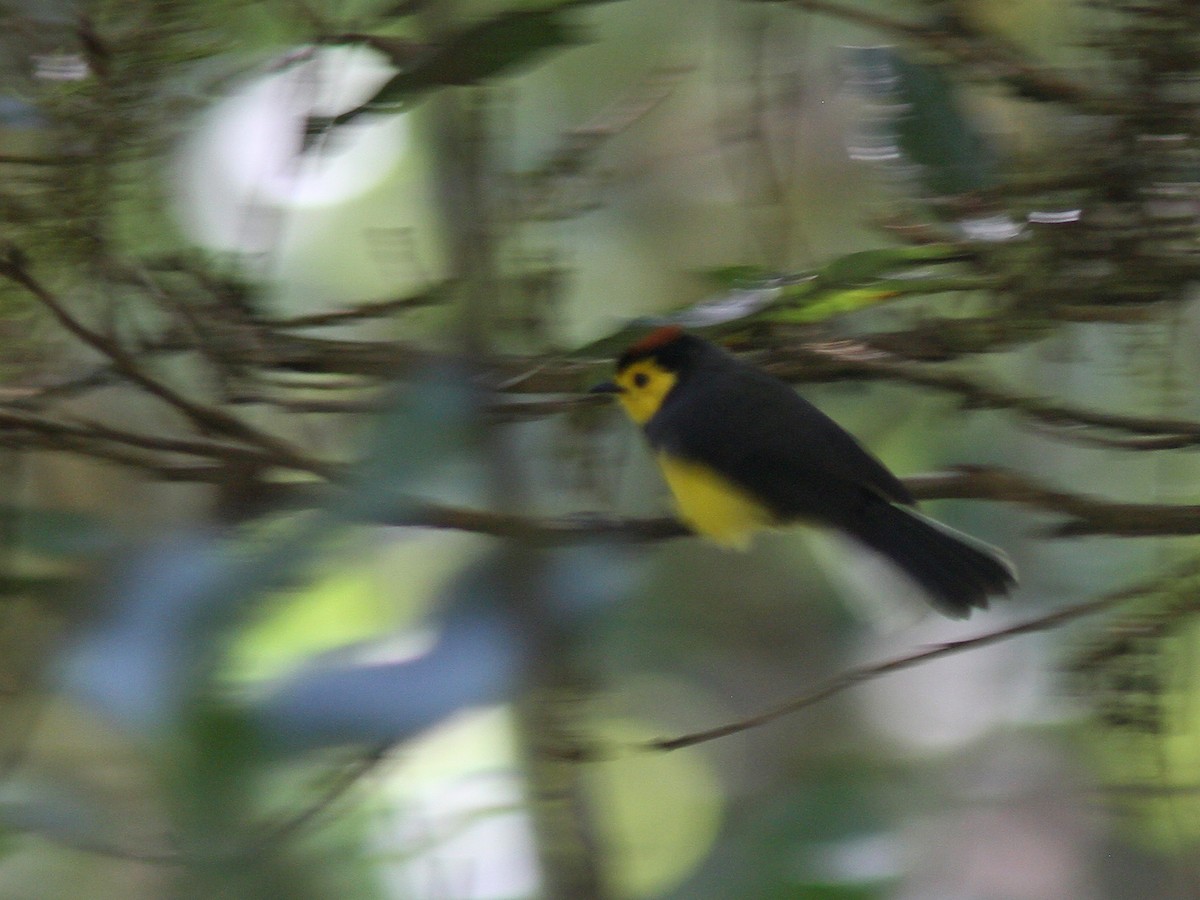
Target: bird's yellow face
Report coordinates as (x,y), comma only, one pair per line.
(642,387)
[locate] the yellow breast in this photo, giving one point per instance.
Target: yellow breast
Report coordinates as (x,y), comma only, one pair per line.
(712,506)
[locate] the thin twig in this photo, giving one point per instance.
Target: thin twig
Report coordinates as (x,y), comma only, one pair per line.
(851,359)
(272,836)
(1087,515)
(88,430)
(34,396)
(543,189)
(130,459)
(280,831)
(1136,443)
(796,362)
(856,676)
(207,417)
(376,309)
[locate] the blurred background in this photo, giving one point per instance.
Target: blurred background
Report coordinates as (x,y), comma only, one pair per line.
(323,576)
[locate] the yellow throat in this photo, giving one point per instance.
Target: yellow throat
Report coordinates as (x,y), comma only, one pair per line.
(708,503)
(643,387)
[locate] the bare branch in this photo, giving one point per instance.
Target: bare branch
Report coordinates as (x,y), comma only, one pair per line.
(534,530)
(207,417)
(545,188)
(1135,443)
(34,396)
(287,827)
(272,835)
(1087,515)
(502,411)
(69,444)
(852,359)
(85,431)
(856,676)
(793,362)
(374,310)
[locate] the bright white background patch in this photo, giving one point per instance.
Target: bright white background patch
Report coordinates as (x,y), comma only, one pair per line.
(350,219)
(246,151)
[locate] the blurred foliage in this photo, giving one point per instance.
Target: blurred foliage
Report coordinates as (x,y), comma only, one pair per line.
(1139,675)
(213,670)
(475,54)
(922,123)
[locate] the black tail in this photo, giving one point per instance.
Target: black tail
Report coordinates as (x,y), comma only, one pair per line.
(958,572)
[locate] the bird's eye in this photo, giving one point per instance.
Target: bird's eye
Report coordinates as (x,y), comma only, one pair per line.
(641,379)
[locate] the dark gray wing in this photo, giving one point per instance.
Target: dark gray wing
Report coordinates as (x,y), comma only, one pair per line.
(759,433)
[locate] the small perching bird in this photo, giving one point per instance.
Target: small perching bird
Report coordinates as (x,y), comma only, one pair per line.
(742,451)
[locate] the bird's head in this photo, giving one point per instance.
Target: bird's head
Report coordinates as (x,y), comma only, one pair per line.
(649,369)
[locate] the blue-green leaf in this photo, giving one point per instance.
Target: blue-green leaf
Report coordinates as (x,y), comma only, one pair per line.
(924,122)
(381,692)
(425,424)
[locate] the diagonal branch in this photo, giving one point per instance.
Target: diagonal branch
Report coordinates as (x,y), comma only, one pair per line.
(793,362)
(544,190)
(856,676)
(123,456)
(206,417)
(87,431)
(278,832)
(376,309)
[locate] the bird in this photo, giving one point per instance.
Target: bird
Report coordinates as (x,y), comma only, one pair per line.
(742,451)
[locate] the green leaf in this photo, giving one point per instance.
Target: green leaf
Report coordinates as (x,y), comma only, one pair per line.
(491,47)
(475,54)
(927,122)
(146,662)
(826,305)
(380,692)
(936,133)
(52,532)
(426,424)
(868,265)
